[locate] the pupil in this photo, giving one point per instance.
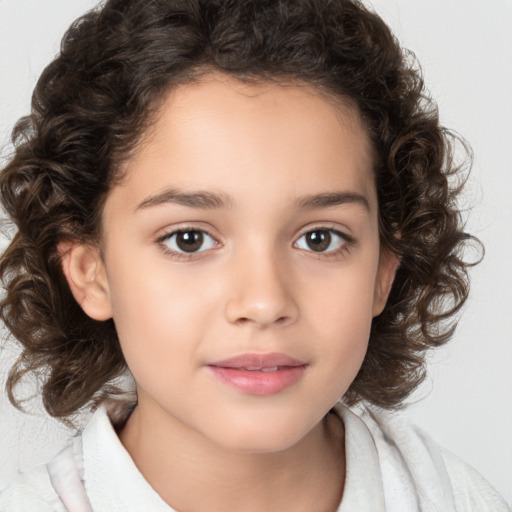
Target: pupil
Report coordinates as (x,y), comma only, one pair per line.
(319,240)
(189,241)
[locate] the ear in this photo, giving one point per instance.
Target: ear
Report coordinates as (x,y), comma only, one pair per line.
(85,273)
(388,265)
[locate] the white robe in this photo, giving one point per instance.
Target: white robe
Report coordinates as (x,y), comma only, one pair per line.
(390,466)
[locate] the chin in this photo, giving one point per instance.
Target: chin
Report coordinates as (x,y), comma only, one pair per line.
(264,437)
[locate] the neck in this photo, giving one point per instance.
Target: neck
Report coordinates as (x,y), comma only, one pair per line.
(191,473)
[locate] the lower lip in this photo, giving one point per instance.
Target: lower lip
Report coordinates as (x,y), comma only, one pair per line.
(258,382)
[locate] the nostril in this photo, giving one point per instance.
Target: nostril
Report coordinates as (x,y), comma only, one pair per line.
(278,321)
(261,309)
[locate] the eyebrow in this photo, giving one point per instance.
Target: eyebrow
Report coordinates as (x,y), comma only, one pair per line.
(204,200)
(209,200)
(329,199)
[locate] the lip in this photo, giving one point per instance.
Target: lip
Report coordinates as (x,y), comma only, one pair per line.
(259,374)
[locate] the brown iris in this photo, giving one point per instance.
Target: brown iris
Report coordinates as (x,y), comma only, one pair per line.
(318,240)
(189,241)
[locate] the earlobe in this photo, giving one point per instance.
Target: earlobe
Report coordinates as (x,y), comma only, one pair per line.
(388,265)
(84,271)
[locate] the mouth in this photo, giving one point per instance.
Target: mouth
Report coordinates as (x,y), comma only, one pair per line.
(259,374)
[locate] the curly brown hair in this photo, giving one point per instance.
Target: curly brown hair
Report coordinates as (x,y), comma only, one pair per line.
(94,101)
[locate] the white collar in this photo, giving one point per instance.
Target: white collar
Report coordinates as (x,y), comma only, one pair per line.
(363,480)
(111,478)
(113,482)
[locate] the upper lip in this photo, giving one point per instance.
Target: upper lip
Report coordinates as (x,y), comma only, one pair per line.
(257,361)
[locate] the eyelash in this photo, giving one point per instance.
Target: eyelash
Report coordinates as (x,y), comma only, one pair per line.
(347,243)
(182,256)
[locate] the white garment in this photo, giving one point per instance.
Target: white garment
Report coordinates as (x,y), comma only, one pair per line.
(390,467)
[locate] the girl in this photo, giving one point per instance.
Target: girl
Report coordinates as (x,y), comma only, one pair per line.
(248,205)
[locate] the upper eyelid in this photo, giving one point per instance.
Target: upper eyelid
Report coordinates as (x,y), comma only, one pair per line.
(347,238)
(162,240)
(178,254)
(335,229)
(166,233)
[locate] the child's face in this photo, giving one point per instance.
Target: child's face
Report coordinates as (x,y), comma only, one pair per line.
(246,225)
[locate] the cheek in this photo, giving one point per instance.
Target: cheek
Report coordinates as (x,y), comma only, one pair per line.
(158,332)
(157,314)
(162,312)
(346,341)
(342,313)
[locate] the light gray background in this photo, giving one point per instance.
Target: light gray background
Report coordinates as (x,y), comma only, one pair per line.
(465,47)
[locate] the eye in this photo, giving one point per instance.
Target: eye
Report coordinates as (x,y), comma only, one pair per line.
(188,241)
(322,240)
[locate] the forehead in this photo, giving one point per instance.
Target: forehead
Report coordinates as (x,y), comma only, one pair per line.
(222,133)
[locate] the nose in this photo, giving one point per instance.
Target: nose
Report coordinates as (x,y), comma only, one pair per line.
(262,292)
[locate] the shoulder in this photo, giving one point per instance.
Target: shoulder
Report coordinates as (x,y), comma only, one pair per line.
(32,490)
(414,468)
(471,491)
(53,487)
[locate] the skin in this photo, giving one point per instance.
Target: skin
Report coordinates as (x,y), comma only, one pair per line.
(254,286)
